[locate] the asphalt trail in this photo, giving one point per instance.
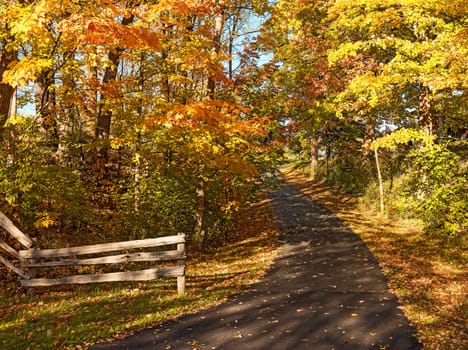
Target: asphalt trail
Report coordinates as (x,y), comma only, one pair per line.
(324,291)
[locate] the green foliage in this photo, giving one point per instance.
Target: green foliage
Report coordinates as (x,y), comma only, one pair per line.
(398,202)
(157,190)
(348,167)
(399,137)
(299,145)
(158,205)
(39,192)
(439,184)
(351,174)
(432,185)
(224,199)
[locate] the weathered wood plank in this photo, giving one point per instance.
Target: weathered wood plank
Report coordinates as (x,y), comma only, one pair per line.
(181,264)
(8,226)
(115,259)
(18,271)
(100,248)
(142,275)
(9,250)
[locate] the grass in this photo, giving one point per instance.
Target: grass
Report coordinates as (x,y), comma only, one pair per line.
(427,273)
(74,317)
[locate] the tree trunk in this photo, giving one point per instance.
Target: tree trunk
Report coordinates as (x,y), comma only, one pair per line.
(379,176)
(232,33)
(104,117)
(102,130)
(6,96)
(136,151)
(45,106)
(218,30)
(7,92)
(425,117)
(369,135)
(199,232)
(314,156)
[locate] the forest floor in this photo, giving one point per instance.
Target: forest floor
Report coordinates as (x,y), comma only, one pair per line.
(74,317)
(427,274)
(324,290)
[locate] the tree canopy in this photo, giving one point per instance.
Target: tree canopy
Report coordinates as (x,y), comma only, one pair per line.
(148,117)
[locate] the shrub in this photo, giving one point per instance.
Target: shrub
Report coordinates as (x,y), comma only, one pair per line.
(36,189)
(439,185)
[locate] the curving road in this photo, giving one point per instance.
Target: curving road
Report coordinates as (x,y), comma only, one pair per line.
(324,291)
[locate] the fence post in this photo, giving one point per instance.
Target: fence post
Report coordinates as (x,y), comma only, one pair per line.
(181,262)
(32,272)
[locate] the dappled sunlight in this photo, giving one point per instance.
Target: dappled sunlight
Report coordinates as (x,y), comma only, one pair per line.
(65,316)
(324,290)
(427,274)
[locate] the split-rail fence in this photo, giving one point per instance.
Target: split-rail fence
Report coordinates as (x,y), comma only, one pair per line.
(31,259)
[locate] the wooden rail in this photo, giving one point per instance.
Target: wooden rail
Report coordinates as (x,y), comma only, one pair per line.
(101,248)
(33,259)
(113,259)
(8,226)
(72,253)
(142,275)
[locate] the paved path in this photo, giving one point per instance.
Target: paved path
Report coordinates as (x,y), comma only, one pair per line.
(324,291)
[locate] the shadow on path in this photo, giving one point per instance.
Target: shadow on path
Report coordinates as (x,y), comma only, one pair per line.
(324,291)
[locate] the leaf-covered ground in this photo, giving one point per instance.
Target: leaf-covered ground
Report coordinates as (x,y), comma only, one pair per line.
(324,291)
(428,274)
(74,316)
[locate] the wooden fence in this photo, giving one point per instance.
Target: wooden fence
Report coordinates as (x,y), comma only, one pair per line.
(31,259)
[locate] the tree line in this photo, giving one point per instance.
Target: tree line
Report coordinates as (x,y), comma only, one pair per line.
(125,117)
(144,118)
(373,94)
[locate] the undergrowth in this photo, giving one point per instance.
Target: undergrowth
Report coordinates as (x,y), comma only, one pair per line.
(74,317)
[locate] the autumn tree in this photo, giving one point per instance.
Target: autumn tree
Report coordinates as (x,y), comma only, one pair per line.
(8,56)
(407,65)
(415,54)
(136,100)
(296,36)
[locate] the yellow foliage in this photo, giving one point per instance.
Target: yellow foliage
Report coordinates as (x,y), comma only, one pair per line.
(25,71)
(45,219)
(399,137)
